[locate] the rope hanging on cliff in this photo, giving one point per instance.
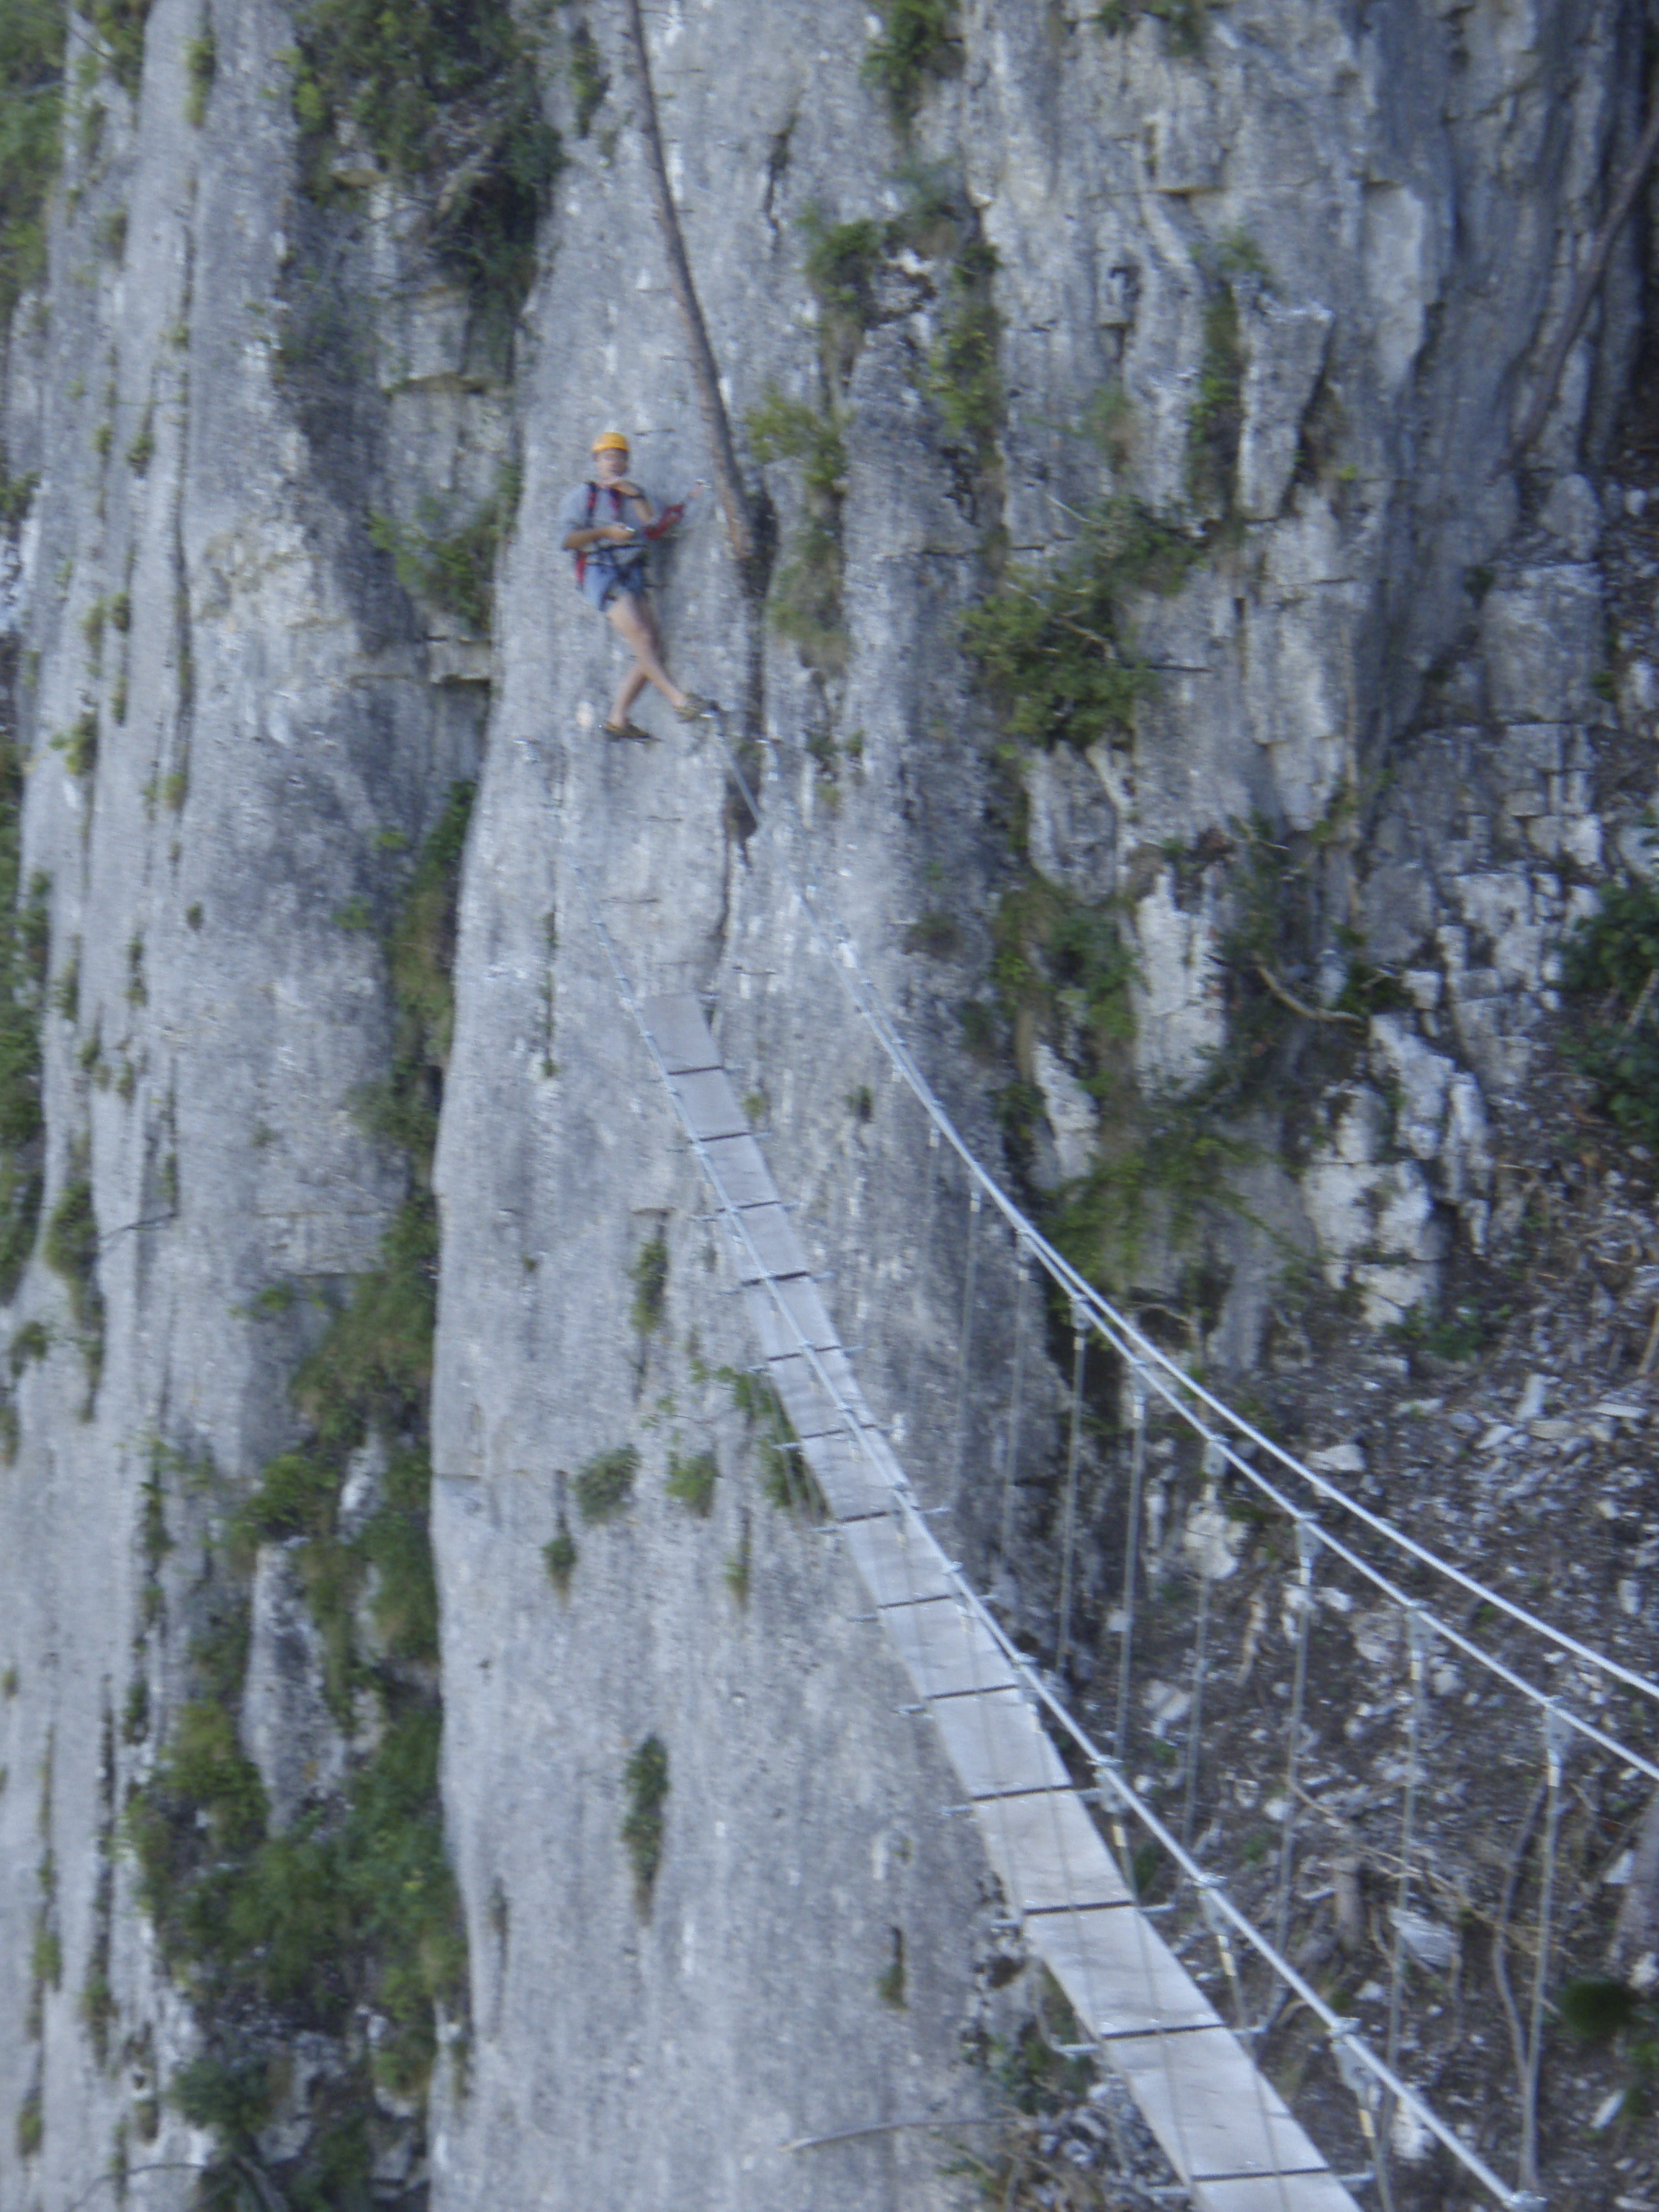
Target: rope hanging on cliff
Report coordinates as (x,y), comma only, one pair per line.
(728,479)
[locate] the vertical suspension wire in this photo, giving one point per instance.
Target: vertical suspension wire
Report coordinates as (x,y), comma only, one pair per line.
(1069,1510)
(1419,1638)
(965,1342)
(1213,1462)
(1131,1554)
(1022,1281)
(1111,1793)
(1365,2088)
(1557,1736)
(1209,1887)
(1307,1551)
(924,1255)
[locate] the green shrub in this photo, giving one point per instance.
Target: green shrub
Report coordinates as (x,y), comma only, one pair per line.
(649,1276)
(1053,646)
(691,1481)
(354,1905)
(447,97)
(30,2125)
(1184,22)
(17,493)
(295,1497)
(71,1251)
(118,38)
(32,1341)
(32,38)
(784,1476)
(142,452)
(403,1109)
(79,744)
(918,41)
(1217,419)
(935,935)
(843,262)
(1610,966)
(588,81)
(805,599)
(603,1485)
(405,1600)
(559,1554)
(25,932)
(455,571)
(645,1789)
(964,376)
(46,1957)
(201,61)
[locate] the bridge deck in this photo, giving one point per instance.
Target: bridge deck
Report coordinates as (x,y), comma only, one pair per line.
(1225,2128)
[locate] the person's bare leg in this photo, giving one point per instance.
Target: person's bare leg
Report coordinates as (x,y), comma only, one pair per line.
(632,622)
(632,684)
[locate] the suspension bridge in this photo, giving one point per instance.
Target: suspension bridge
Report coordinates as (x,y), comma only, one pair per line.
(1065,1823)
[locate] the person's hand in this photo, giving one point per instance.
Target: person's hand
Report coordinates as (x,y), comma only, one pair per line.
(617,533)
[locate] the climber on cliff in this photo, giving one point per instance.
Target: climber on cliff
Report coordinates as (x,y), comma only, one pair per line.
(609,524)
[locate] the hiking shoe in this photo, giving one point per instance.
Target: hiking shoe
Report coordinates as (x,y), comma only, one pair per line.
(630,730)
(695,708)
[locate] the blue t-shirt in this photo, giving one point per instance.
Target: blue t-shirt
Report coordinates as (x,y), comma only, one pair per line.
(606,505)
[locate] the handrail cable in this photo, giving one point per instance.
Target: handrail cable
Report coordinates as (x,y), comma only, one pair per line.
(1111,1786)
(1129,1339)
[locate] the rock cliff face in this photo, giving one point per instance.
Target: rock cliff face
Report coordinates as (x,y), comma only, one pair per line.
(1265,285)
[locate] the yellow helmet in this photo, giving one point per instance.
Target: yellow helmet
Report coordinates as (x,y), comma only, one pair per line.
(611,442)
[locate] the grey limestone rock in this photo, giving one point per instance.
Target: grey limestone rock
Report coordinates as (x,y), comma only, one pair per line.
(1420,187)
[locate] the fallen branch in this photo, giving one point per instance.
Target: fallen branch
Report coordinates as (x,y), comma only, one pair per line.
(1593,270)
(1308,1013)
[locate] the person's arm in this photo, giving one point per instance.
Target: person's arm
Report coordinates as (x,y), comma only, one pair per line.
(640,496)
(601,533)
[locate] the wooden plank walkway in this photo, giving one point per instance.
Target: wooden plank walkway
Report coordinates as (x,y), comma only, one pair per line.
(1225,2128)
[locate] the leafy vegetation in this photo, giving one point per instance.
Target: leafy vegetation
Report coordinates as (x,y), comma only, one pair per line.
(559,1554)
(964,378)
(1610,963)
(1217,419)
(32,39)
(1053,646)
(918,42)
(1184,22)
(117,30)
(603,1485)
(805,599)
(649,1276)
(645,1790)
(691,1481)
(403,1111)
(444,94)
(200,65)
(454,570)
(352,1909)
(79,744)
(784,1476)
(843,262)
(588,81)
(25,942)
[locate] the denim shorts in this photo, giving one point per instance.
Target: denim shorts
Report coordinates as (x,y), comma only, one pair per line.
(600,586)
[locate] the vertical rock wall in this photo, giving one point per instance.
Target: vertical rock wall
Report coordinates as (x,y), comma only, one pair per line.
(1386,211)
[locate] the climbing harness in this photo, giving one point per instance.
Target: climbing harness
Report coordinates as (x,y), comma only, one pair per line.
(649,532)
